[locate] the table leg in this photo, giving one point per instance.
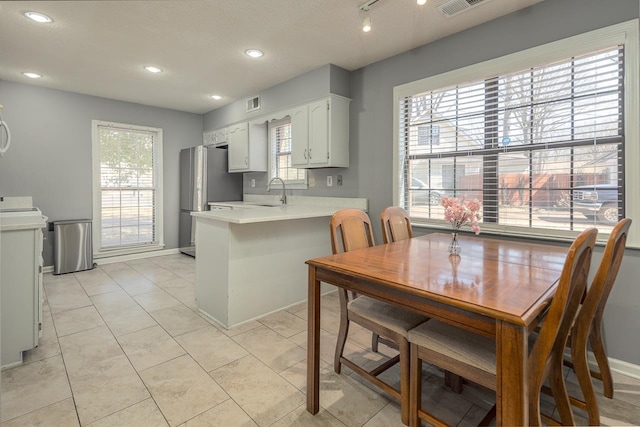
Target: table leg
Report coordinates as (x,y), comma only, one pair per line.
(511,362)
(313,343)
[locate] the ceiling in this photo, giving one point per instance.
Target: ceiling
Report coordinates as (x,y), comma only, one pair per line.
(100,47)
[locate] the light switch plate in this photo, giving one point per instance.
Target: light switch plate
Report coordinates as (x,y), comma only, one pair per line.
(329,181)
(253,183)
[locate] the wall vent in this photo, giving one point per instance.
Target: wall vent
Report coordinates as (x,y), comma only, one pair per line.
(454,7)
(253,103)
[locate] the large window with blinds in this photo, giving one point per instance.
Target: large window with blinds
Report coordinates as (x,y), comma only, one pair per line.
(127,187)
(542,147)
(280,148)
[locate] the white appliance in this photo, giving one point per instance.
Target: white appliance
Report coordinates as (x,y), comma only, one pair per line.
(21,290)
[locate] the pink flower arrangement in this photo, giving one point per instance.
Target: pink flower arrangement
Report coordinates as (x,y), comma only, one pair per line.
(461,212)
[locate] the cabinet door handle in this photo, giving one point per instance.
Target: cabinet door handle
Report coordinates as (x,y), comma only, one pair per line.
(309,153)
(246,161)
(305,154)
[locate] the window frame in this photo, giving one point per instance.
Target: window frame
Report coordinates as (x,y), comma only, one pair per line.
(626,34)
(97,192)
(297,184)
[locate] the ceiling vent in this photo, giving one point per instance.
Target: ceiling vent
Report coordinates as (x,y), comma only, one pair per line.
(454,7)
(253,103)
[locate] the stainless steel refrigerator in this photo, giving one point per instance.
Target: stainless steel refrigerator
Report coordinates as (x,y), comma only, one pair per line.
(203,178)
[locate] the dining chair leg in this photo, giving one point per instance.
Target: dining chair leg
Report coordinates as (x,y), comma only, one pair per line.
(581,368)
(558,390)
(342,339)
(597,346)
(374,342)
(415,386)
(453,381)
(404,380)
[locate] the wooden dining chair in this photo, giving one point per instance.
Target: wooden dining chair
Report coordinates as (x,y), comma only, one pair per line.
(473,356)
(587,327)
(350,230)
(396,224)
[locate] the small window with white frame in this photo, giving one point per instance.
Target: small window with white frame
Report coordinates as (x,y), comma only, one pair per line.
(280,158)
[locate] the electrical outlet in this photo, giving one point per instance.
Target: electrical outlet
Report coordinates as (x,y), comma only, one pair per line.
(312,182)
(253,183)
(339,180)
(329,181)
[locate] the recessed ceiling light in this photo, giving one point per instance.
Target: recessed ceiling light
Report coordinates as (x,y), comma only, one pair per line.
(216,97)
(422,2)
(152,69)
(254,53)
(38,17)
(32,75)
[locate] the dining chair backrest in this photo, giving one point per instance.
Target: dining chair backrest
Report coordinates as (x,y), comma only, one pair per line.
(351,228)
(396,224)
(559,318)
(596,298)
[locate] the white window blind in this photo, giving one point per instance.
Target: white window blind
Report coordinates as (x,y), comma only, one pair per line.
(128,194)
(541,148)
(280,143)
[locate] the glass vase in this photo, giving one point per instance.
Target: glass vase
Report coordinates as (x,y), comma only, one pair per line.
(454,246)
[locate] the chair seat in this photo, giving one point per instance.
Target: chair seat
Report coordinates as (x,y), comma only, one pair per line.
(464,346)
(386,315)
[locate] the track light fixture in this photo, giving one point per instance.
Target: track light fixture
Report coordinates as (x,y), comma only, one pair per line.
(366,24)
(365,12)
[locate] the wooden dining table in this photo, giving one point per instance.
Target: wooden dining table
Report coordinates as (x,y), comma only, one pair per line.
(495,287)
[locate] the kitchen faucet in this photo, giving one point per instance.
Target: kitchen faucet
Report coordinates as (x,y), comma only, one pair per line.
(283,199)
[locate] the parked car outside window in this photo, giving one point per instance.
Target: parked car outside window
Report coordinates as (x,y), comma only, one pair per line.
(599,201)
(421,194)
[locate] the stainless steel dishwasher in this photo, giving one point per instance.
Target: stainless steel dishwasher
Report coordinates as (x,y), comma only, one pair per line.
(73,246)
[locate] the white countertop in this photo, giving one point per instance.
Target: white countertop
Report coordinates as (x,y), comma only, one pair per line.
(250,211)
(22,220)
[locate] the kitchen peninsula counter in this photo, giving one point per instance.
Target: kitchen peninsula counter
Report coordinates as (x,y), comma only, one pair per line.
(250,259)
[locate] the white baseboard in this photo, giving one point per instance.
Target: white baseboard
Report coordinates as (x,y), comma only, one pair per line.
(619,366)
(123,258)
(141,255)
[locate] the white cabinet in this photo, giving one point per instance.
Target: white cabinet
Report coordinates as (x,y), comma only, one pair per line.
(21,279)
(300,136)
(247,147)
(208,138)
(320,133)
(215,137)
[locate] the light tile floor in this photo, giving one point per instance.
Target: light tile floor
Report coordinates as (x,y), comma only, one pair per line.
(124,345)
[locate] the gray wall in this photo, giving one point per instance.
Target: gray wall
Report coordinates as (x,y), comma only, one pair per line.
(372,119)
(50,154)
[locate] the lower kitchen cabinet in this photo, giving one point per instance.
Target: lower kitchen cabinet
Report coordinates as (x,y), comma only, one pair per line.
(21,292)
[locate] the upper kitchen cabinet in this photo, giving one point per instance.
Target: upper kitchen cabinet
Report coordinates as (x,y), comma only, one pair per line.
(320,133)
(215,137)
(247,147)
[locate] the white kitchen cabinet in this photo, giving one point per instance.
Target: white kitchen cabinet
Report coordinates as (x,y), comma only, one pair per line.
(215,137)
(247,147)
(320,133)
(208,138)
(21,279)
